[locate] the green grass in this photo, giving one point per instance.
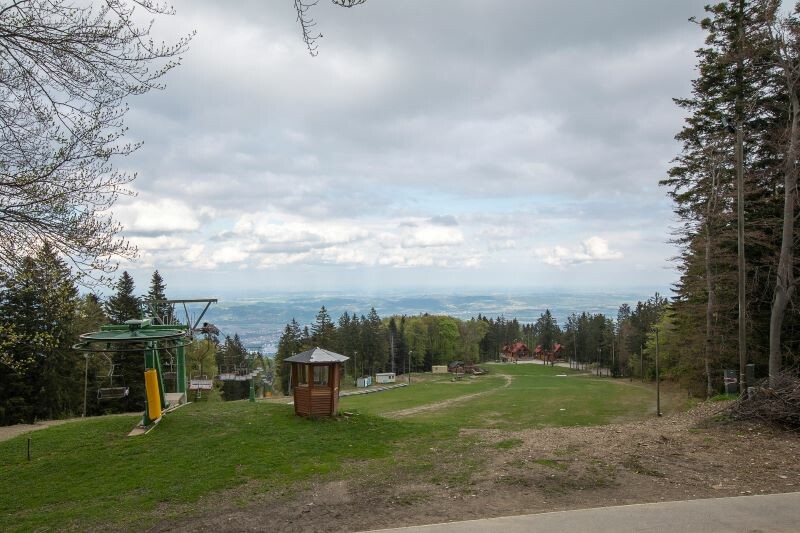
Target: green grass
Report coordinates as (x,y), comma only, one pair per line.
(538,396)
(89,474)
(433,389)
(724,397)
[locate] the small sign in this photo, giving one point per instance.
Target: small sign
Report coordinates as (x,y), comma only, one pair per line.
(201,384)
(731,381)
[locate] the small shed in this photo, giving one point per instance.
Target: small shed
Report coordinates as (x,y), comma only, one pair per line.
(385,377)
(316,375)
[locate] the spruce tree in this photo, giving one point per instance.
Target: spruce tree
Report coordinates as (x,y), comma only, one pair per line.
(157,292)
(40,376)
(323,330)
(288,345)
(123,304)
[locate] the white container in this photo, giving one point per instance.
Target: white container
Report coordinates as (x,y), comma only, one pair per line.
(385,377)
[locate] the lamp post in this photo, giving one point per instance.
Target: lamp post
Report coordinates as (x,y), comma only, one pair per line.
(85,381)
(641,363)
(574,350)
(658,379)
(598,360)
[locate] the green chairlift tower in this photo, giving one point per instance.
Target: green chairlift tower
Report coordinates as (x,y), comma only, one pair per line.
(151,340)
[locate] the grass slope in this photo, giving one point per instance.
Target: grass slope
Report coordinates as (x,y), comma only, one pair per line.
(90,474)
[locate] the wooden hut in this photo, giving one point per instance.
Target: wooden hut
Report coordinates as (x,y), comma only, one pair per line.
(316,375)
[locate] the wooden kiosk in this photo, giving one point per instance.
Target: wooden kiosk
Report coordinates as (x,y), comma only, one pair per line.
(315,381)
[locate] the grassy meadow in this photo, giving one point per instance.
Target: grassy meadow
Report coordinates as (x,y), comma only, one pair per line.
(89,474)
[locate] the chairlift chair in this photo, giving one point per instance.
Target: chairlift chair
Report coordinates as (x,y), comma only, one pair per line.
(115,387)
(171,374)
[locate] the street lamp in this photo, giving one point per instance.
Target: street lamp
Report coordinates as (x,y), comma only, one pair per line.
(598,361)
(658,378)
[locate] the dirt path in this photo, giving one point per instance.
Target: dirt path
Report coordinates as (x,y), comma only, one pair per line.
(446,403)
(9,432)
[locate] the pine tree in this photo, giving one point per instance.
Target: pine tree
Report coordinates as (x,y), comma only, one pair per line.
(288,345)
(323,330)
(40,377)
(163,312)
(123,304)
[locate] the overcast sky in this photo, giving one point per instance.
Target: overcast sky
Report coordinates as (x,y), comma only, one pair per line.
(445,145)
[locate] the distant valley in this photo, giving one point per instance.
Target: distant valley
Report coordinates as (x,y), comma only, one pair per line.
(259,321)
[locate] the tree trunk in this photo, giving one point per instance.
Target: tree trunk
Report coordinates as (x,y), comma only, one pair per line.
(784,286)
(710,285)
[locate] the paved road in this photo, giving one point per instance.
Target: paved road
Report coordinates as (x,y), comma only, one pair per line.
(762,513)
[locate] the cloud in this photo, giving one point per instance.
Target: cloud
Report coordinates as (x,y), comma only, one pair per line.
(433,236)
(591,250)
(162,216)
(553,125)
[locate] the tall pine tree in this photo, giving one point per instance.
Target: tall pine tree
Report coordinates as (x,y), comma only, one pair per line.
(123,304)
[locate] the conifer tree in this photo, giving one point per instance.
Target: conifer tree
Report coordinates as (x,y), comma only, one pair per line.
(123,304)
(288,345)
(40,372)
(323,330)
(157,292)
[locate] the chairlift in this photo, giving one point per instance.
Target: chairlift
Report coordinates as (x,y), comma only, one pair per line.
(115,387)
(171,374)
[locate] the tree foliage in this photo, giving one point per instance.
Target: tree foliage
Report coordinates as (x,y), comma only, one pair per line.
(67,71)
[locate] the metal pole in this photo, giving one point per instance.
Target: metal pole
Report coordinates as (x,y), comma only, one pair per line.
(575,347)
(598,362)
(658,380)
(641,362)
(409,366)
(85,382)
(739,157)
(181,374)
(613,366)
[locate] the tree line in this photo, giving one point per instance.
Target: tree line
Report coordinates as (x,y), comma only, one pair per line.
(417,343)
(734,188)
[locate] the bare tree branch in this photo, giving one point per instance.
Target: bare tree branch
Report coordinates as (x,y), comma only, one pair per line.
(66,72)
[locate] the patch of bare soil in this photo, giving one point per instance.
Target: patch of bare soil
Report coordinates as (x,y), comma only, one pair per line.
(445,403)
(496,473)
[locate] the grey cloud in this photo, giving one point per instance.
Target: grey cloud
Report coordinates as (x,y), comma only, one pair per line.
(443,220)
(525,114)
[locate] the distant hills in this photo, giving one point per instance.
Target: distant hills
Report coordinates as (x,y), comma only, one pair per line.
(259,321)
